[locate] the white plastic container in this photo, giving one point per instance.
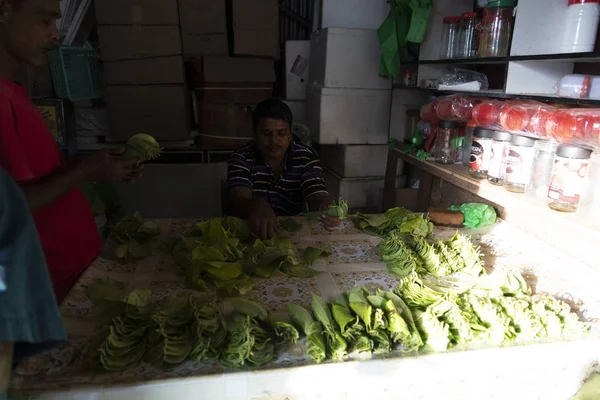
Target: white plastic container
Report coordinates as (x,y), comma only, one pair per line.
(581,26)
(355,161)
(358,14)
(346,58)
(575,86)
(348,116)
(297,63)
(298,108)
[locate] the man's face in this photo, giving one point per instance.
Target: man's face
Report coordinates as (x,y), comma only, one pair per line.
(27,32)
(273,137)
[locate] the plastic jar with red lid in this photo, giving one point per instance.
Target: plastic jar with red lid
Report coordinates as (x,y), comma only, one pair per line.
(580,26)
(450,30)
(468,44)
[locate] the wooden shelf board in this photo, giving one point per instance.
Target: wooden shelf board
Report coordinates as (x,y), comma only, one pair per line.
(568,231)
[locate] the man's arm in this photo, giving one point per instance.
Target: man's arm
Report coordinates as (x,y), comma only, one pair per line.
(44,192)
(318,202)
(240,201)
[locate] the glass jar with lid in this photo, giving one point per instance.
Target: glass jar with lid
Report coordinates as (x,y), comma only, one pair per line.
(499,155)
(481,152)
(449,45)
(468,143)
(519,164)
(496,28)
(545,150)
(446,149)
(467,38)
(568,178)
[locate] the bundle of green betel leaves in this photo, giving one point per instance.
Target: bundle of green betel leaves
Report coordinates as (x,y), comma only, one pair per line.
(224,253)
(182,327)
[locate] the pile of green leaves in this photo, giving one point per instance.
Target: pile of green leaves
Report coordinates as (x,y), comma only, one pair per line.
(499,311)
(337,210)
(224,253)
(183,327)
(133,237)
(406,253)
(356,323)
(396,219)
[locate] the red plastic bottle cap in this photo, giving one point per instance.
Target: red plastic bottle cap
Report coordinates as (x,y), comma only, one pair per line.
(449,20)
(575,2)
(470,14)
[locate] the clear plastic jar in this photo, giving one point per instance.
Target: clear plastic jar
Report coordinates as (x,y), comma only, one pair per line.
(497,168)
(481,152)
(496,28)
(589,206)
(467,38)
(545,150)
(519,164)
(446,151)
(468,143)
(450,38)
(568,178)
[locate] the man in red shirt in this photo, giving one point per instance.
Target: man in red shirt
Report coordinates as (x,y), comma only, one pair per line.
(29,154)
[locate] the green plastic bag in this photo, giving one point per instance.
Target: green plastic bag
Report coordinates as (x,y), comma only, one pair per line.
(477,215)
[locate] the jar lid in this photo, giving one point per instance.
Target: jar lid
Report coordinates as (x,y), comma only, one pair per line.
(500,3)
(448,124)
(449,20)
(522,141)
(576,2)
(502,136)
(471,124)
(472,14)
(573,152)
(484,133)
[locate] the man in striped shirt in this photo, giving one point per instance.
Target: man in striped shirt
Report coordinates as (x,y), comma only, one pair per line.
(274,175)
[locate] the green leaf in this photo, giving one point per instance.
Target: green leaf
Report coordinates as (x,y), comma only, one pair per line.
(299,271)
(248,307)
(102,290)
(301,317)
(235,288)
(221,271)
(290,225)
(321,312)
(359,304)
(205,253)
(138,298)
(311,254)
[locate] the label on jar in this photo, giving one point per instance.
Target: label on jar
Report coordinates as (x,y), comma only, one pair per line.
(498,160)
(568,180)
(519,164)
(481,151)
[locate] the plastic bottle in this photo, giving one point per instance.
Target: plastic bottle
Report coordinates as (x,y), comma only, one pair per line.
(581,26)
(450,38)
(467,45)
(497,27)
(481,152)
(568,178)
(499,155)
(545,150)
(446,151)
(519,165)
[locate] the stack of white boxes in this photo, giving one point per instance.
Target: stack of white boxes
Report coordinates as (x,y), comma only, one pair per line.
(348,108)
(297,64)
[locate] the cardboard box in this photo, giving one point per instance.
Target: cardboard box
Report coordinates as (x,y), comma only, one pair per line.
(224,80)
(204,27)
(162,111)
(297,62)
(256,28)
(164,70)
(225,126)
(209,70)
(136,42)
(137,12)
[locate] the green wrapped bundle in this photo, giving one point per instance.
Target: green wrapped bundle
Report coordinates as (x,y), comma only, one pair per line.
(143,147)
(336,344)
(317,347)
(337,210)
(399,258)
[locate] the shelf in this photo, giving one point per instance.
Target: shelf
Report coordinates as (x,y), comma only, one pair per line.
(567,231)
(474,60)
(564,57)
(500,94)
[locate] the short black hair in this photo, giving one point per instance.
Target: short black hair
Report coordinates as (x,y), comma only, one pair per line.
(272,109)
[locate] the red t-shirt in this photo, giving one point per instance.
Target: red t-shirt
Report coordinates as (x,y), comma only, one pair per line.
(28,152)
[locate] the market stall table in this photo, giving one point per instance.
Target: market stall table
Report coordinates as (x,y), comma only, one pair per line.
(550,370)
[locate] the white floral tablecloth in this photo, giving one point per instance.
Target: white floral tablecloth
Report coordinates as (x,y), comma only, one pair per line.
(66,372)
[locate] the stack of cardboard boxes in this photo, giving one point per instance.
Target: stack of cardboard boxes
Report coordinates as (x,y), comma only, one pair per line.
(234,70)
(297,67)
(141,47)
(348,107)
